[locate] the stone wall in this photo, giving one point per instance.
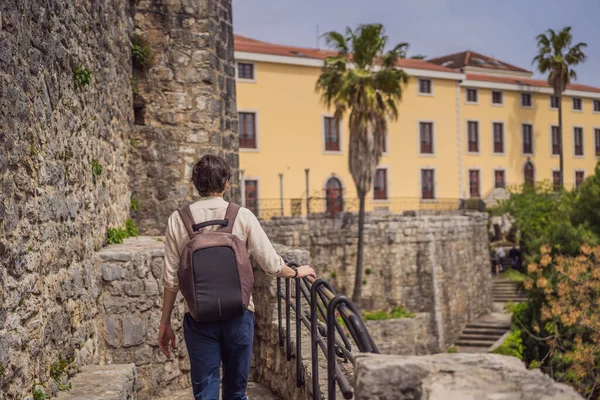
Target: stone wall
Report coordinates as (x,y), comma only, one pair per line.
(186,103)
(454,377)
(404,336)
(434,264)
(63,181)
(130,307)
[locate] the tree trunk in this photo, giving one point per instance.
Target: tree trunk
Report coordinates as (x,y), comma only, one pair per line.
(560,143)
(357,293)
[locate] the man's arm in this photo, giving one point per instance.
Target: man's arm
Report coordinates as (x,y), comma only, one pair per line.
(166,335)
(265,255)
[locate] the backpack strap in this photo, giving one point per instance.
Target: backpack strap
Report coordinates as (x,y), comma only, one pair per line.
(230,216)
(188,220)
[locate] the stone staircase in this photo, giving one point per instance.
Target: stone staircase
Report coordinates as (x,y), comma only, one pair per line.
(478,337)
(505,290)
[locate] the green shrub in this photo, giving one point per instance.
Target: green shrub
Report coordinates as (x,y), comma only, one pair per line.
(333,275)
(83,77)
(452,350)
(396,313)
(117,235)
(368,271)
(57,370)
(142,54)
(134,203)
(512,345)
(38,393)
(513,275)
(96,168)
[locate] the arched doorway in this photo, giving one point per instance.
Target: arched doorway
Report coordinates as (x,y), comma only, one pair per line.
(529,173)
(333,196)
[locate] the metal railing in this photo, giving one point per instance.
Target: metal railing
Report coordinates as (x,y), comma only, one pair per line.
(266,209)
(322,300)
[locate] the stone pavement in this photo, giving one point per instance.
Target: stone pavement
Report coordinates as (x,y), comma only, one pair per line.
(254,392)
(102,382)
(481,335)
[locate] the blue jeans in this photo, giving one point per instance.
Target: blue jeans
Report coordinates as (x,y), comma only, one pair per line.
(210,343)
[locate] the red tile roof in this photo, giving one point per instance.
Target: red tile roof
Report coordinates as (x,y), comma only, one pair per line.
(473,59)
(248,45)
(527,82)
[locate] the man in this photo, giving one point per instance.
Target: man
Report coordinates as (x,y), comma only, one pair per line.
(500,254)
(230,341)
(515,256)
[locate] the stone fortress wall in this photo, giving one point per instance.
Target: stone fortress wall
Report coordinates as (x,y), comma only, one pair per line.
(73,150)
(435,264)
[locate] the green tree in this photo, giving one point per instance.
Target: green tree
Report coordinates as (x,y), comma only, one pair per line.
(364,80)
(556,56)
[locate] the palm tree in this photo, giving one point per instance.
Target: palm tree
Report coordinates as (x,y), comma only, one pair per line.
(364,81)
(556,55)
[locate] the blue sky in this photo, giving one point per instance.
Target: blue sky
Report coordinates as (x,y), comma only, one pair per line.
(503,29)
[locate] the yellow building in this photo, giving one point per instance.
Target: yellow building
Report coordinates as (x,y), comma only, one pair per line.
(469,126)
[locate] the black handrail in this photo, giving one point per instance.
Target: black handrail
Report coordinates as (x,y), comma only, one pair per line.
(322,299)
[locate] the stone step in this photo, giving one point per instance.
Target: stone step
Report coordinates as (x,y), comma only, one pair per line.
(475,343)
(467,336)
(485,325)
(484,331)
(255,391)
(513,299)
(102,382)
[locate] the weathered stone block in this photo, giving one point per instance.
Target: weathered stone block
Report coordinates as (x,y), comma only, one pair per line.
(112,272)
(134,331)
(453,377)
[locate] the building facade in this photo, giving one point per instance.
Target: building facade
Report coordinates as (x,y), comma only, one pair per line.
(469,127)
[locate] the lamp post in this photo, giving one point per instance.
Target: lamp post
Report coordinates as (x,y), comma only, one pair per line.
(281,192)
(307,170)
(243,187)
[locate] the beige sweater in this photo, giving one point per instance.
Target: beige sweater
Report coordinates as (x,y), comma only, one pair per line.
(246,227)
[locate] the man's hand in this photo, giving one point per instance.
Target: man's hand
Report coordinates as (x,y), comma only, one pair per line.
(166,335)
(305,271)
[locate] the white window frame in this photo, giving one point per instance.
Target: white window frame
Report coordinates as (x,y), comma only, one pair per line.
(522,142)
(594,129)
(552,177)
(387,144)
(419,87)
(503,138)
(494,177)
(573,104)
(550,103)
(478,169)
(435,186)
(256,129)
(553,155)
(432,138)
(467,95)
(575,171)
(339,178)
(521,99)
(387,185)
(340,132)
(492,98)
(478,152)
(237,72)
(258,192)
(582,142)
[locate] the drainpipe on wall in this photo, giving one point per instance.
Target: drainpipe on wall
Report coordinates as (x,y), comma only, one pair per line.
(460,143)
(243,187)
(281,192)
(307,193)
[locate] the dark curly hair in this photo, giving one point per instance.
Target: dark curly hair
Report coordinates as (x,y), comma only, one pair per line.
(210,175)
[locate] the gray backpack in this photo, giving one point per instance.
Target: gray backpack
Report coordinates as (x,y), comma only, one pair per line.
(215,274)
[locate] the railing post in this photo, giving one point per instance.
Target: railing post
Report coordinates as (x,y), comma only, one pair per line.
(299,378)
(288,338)
(280,323)
(306,171)
(281,192)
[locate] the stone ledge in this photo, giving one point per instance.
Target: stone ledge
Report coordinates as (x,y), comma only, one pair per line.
(454,377)
(103,382)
